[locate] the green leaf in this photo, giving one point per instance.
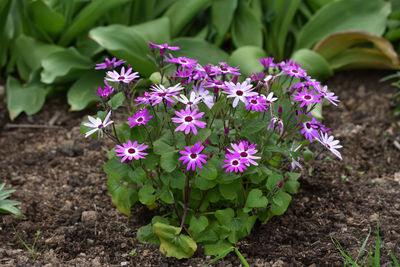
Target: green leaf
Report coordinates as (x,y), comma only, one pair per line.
(203,184)
(45,18)
(29,98)
(122,196)
(273,181)
(169,161)
(117,100)
(156,31)
(174,244)
(239,226)
(116,168)
(160,147)
(146,234)
(201,136)
(222,13)
(197,225)
(217,248)
(344,15)
(209,171)
(151,161)
(315,65)
(280,203)
(82,92)
(181,12)
(252,126)
(63,63)
(255,199)
(246,58)
(87,17)
(146,195)
(125,43)
(246,28)
(230,191)
(200,50)
(138,175)
(176,179)
(166,195)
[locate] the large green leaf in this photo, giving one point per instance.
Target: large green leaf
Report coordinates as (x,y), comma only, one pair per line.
(247,58)
(156,31)
(125,43)
(246,28)
(182,12)
(316,66)
(122,196)
(201,50)
(63,65)
(29,98)
(81,93)
(222,14)
(87,17)
(344,15)
(174,244)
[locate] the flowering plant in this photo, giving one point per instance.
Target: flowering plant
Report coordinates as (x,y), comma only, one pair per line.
(211,150)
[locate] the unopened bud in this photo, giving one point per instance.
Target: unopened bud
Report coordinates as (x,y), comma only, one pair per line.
(280,185)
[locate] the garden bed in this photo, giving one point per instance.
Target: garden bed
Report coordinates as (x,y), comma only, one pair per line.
(59,180)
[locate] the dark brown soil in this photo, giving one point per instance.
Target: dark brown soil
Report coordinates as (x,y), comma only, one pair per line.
(59,180)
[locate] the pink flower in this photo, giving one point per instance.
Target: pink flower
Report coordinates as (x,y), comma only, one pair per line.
(189,120)
(125,77)
(131,150)
(307,98)
(330,96)
(310,129)
(257,103)
(330,143)
(276,123)
(224,68)
(234,163)
(106,92)
(185,62)
(245,151)
(293,69)
(140,118)
(193,157)
(163,47)
(145,99)
(267,62)
(109,64)
(160,93)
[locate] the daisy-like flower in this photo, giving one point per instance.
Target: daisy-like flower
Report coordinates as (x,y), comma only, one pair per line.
(245,151)
(276,123)
(294,163)
(330,143)
(192,156)
(131,151)
(163,47)
(310,129)
(106,91)
(330,96)
(204,95)
(140,118)
(239,91)
(185,62)
(307,98)
(267,62)
(270,99)
(235,163)
(145,99)
(160,93)
(224,68)
(257,103)
(191,102)
(125,77)
(109,64)
(97,125)
(293,69)
(189,120)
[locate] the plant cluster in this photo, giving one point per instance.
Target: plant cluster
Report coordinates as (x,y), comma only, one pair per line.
(7,206)
(211,150)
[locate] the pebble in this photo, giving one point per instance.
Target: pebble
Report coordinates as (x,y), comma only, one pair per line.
(89,217)
(278,263)
(96,262)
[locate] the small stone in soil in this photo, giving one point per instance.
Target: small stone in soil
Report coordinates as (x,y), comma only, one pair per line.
(89,217)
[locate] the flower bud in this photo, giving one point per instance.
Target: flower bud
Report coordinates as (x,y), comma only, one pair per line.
(207,141)
(227,130)
(280,184)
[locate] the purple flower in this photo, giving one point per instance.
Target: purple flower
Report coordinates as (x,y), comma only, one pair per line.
(293,69)
(162,47)
(330,96)
(106,92)
(97,125)
(193,157)
(224,68)
(185,62)
(310,129)
(239,91)
(245,151)
(276,123)
(307,98)
(257,103)
(160,93)
(234,163)
(267,62)
(125,77)
(131,150)
(140,118)
(204,95)
(145,99)
(294,163)
(330,143)
(109,64)
(189,120)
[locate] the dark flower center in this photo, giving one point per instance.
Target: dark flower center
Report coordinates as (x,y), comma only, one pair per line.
(235,162)
(162,94)
(183,61)
(243,154)
(239,92)
(193,155)
(307,97)
(308,125)
(328,146)
(254,102)
(121,78)
(140,119)
(224,69)
(295,71)
(188,118)
(131,150)
(100,126)
(190,103)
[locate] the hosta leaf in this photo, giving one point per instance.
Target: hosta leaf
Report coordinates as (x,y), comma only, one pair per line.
(174,244)
(315,65)
(29,98)
(81,93)
(246,58)
(344,15)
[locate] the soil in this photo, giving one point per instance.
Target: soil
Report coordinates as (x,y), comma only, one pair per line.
(58,177)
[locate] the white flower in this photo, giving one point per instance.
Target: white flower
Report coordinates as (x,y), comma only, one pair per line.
(205,96)
(97,124)
(330,143)
(125,77)
(240,91)
(191,102)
